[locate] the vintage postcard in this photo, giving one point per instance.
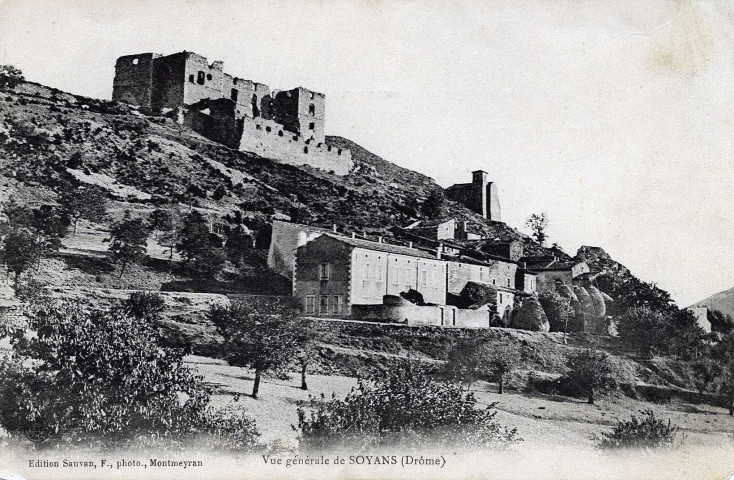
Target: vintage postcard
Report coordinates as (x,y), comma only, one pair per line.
(366,239)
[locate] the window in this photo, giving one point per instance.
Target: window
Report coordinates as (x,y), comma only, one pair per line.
(200,78)
(311,126)
(234,94)
(508,282)
(312,109)
(305,149)
(324,305)
(337,304)
(135,61)
(368,270)
(500,298)
(324,271)
(208,76)
(268,129)
(394,274)
(310,304)
(234,80)
(339,152)
(424,278)
(191,78)
(280,133)
(494,281)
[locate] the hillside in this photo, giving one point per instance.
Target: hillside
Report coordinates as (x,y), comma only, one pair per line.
(722,301)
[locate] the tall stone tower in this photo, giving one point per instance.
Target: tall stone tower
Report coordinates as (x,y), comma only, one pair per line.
(480,196)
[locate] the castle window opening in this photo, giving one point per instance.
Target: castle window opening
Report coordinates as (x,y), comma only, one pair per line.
(200,78)
(339,152)
(208,76)
(311,126)
(328,148)
(234,94)
(191,78)
(305,149)
(135,61)
(280,133)
(312,109)
(258,127)
(268,129)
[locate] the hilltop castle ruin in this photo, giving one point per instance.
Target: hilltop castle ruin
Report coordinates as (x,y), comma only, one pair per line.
(479,196)
(287,126)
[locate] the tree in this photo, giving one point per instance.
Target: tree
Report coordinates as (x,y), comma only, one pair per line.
(128,241)
(717,373)
(644,433)
(307,348)
(590,371)
(10,76)
(644,329)
(160,220)
(103,377)
(467,361)
(20,251)
(402,408)
(84,203)
(503,359)
(435,204)
(720,322)
(265,339)
(538,223)
(199,250)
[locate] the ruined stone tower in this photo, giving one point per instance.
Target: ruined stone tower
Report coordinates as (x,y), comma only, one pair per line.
(479,196)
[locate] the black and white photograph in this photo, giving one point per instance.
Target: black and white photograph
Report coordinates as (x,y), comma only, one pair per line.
(366,239)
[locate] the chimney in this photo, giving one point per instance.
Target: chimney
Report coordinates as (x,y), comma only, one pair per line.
(439,250)
(379,239)
(410,244)
(334,228)
(354,235)
(523,265)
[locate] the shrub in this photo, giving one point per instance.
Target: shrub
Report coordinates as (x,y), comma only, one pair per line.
(645,433)
(10,76)
(101,377)
(643,329)
(145,305)
(402,408)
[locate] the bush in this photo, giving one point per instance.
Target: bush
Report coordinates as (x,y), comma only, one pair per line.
(645,433)
(145,305)
(402,408)
(10,76)
(101,377)
(643,329)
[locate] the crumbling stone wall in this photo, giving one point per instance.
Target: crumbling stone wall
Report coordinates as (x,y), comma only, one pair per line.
(479,196)
(133,81)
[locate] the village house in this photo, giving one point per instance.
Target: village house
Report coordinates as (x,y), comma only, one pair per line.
(342,276)
(551,271)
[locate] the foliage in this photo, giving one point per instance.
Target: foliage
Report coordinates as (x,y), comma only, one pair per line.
(238,242)
(538,224)
(402,408)
(84,203)
(266,339)
(502,359)
(29,235)
(435,204)
(10,76)
(558,309)
(643,329)
(200,252)
(128,241)
(102,377)
(467,361)
(590,371)
(144,305)
(720,322)
(20,251)
(652,332)
(630,292)
(716,374)
(644,433)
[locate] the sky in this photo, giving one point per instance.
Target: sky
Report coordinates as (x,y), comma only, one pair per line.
(615,118)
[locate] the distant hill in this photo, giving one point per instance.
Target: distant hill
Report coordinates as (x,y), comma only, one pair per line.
(722,301)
